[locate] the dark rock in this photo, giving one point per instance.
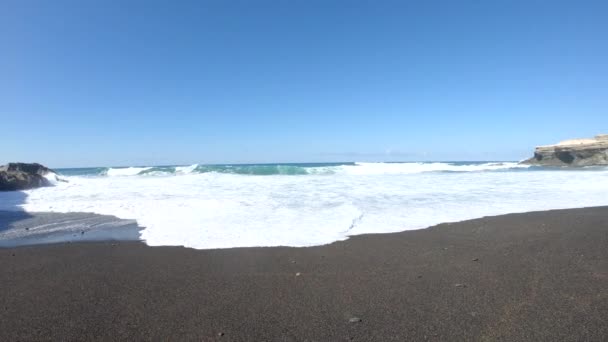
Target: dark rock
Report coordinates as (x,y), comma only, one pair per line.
(21,176)
(476,259)
(30,168)
(576,152)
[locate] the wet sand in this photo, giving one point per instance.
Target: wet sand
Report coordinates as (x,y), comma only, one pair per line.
(19,228)
(522,277)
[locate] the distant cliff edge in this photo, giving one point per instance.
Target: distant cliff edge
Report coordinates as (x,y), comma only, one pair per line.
(575,152)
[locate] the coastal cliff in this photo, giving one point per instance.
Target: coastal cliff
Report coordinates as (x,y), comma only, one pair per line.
(21,176)
(575,152)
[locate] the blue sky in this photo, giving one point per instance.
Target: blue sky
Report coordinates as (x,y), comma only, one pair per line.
(86,83)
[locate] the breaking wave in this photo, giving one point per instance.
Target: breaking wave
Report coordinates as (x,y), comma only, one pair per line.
(359,168)
(224,206)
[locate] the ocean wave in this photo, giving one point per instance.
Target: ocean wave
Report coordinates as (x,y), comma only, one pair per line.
(361,168)
(259,170)
(213,210)
(53,178)
(185,169)
(127,171)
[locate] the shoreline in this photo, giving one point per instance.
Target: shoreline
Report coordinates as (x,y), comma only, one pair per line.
(20,228)
(221,210)
(531,276)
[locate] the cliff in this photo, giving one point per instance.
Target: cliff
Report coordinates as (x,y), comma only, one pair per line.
(575,152)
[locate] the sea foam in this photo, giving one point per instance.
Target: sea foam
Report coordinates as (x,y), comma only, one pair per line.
(359,168)
(409,168)
(127,171)
(219,209)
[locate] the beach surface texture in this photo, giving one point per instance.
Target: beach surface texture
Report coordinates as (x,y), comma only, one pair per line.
(540,276)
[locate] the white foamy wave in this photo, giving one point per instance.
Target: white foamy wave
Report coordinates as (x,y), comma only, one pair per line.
(52,178)
(411,168)
(186,169)
(214,210)
(126,171)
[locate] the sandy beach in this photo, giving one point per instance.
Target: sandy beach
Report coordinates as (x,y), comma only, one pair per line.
(304,171)
(539,276)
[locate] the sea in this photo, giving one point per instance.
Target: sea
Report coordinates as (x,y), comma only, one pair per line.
(225,206)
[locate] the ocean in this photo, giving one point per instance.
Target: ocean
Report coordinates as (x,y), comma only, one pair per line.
(223,206)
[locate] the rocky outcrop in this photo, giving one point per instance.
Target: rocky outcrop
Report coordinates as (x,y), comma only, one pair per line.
(576,152)
(21,176)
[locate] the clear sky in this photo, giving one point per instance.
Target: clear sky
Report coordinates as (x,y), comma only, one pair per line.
(100,83)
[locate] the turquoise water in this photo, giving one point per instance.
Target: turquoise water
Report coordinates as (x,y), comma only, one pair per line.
(224,206)
(245,169)
(271,168)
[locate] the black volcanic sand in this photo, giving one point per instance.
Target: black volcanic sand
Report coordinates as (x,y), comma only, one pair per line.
(523,277)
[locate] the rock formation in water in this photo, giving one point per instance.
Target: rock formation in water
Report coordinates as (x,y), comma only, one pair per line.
(21,176)
(575,152)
